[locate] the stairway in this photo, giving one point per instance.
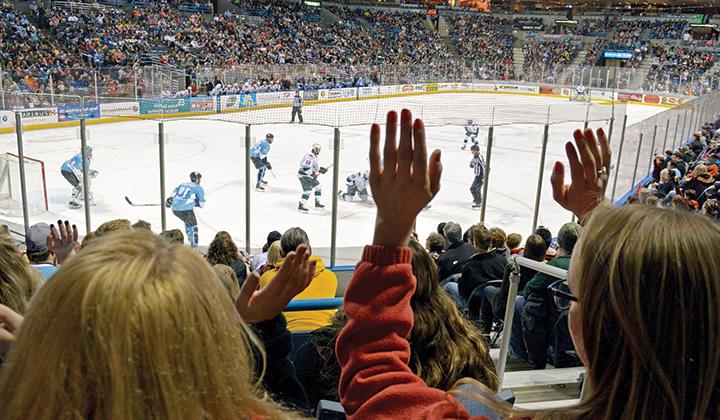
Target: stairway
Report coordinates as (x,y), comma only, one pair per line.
(641,73)
(518,61)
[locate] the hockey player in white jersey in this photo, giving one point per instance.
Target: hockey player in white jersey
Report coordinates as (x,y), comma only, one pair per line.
(581,93)
(356,184)
(471,133)
(307,174)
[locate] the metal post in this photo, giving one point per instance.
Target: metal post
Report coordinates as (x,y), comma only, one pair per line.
(682,133)
(677,125)
(86,175)
(587,115)
(617,166)
(21,164)
(540,176)
(612,126)
(691,125)
(52,90)
(652,149)
(637,161)
(96,86)
(2,88)
(247,188)
(336,176)
(488,155)
(667,132)
(161,150)
(136,85)
(507,322)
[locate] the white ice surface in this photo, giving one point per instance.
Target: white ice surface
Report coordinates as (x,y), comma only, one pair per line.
(126,154)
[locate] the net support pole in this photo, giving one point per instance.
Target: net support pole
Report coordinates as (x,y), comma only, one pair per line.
(52,90)
(667,132)
(161,158)
(684,129)
(21,164)
(617,166)
(611,128)
(247,188)
(637,161)
(541,173)
(486,184)
(587,115)
(85,174)
(96,86)
(2,88)
(675,134)
(652,148)
(336,177)
(691,124)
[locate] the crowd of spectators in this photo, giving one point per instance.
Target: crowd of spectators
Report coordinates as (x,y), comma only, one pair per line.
(130,323)
(676,67)
(486,43)
(545,57)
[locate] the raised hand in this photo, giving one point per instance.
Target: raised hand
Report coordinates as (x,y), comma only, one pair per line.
(63,244)
(292,278)
(589,173)
(405,182)
(10,323)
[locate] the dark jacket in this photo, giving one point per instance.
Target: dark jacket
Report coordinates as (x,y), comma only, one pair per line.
(450,261)
(480,269)
(500,298)
(317,368)
(279,380)
(699,184)
(240,269)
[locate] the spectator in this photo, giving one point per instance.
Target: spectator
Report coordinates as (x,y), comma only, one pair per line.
(484,266)
(513,243)
(445,347)
(699,179)
(323,285)
(142,224)
(37,251)
(538,314)
(260,259)
(18,282)
(5,234)
(113,226)
(435,245)
(174,236)
(711,209)
(141,341)
(222,250)
(499,241)
(456,252)
(229,280)
(493,299)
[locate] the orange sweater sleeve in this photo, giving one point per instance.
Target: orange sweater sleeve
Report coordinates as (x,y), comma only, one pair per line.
(372,349)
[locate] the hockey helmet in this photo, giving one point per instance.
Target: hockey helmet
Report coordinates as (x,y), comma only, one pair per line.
(365,174)
(270,137)
(88,150)
(316,149)
(469,122)
(474,148)
(195,177)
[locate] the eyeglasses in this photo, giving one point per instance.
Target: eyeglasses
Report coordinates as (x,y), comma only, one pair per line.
(561,295)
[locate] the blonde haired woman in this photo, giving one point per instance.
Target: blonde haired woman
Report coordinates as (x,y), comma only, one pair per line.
(135,327)
(645,314)
(18,281)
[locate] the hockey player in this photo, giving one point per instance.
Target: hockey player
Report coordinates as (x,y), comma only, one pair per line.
(183,201)
(471,133)
(581,93)
(307,174)
(258,155)
(297,107)
(478,167)
(356,184)
(72,171)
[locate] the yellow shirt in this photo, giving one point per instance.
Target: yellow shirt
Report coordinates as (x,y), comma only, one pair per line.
(323,285)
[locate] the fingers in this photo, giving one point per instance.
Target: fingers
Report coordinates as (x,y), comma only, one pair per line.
(420,163)
(10,320)
(588,162)
(390,150)
(592,144)
(405,151)
(75,234)
(557,180)
(435,172)
(375,168)
(605,153)
(576,171)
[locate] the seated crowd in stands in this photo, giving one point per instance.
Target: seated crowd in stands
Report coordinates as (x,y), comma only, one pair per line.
(133,324)
(546,57)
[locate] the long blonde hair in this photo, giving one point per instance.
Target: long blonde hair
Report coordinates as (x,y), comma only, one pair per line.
(649,296)
(18,281)
(133,327)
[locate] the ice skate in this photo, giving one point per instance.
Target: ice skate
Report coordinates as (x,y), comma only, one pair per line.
(74,204)
(319,205)
(302,208)
(259,188)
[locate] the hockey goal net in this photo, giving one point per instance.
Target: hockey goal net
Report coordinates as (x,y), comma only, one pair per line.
(11,189)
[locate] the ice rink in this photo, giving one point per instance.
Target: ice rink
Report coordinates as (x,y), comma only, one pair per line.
(126,156)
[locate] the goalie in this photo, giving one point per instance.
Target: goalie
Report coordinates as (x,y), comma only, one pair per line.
(72,171)
(581,94)
(356,184)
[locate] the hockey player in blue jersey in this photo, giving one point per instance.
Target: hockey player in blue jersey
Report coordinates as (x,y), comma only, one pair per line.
(183,201)
(471,133)
(72,171)
(356,184)
(258,155)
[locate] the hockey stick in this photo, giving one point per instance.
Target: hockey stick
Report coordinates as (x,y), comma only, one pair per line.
(273,174)
(140,204)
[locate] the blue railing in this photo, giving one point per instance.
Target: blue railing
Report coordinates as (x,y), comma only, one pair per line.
(313,304)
